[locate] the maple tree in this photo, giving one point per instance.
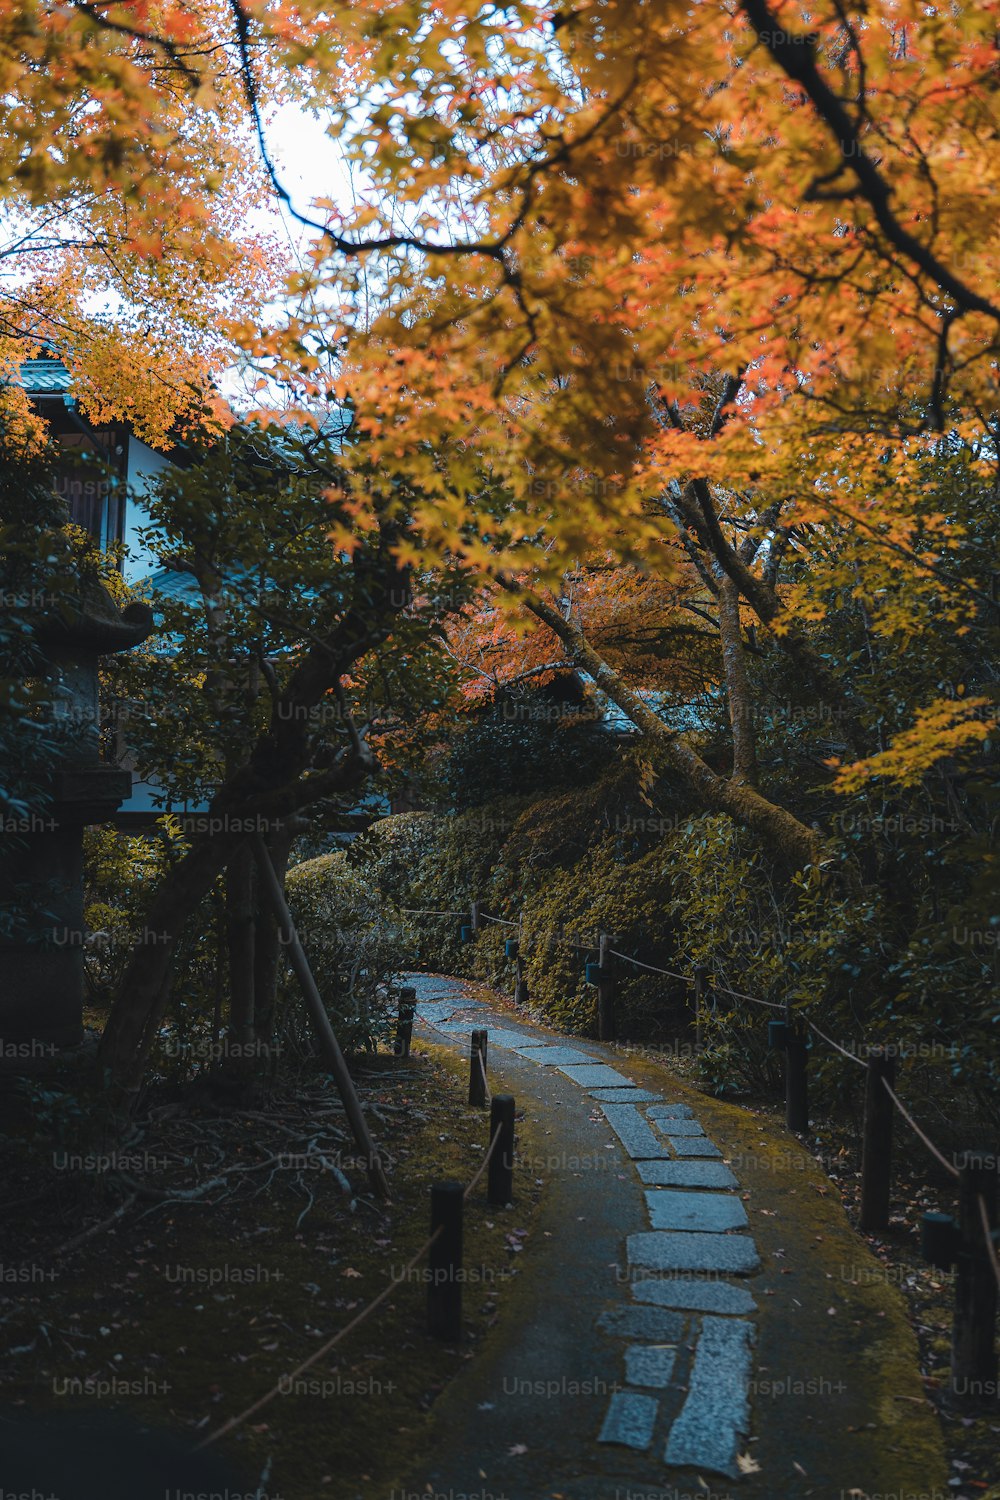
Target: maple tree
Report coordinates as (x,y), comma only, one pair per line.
(653,267)
(125,187)
(702,290)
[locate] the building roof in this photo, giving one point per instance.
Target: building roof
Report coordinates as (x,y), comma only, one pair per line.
(45,377)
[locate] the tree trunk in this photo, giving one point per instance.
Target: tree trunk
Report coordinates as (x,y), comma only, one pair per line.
(738,689)
(267,941)
(269,788)
(145,987)
(791,840)
(240,944)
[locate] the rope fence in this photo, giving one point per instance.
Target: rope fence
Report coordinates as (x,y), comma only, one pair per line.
(413,911)
(984,1219)
(607,951)
(953,1242)
(286,1380)
(948,1166)
(651,968)
(851,1056)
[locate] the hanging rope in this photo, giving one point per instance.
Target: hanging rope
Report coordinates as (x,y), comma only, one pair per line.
(650,967)
(342,1333)
(948,1166)
(851,1056)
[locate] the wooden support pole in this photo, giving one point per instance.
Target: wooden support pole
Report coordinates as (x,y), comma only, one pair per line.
(477,1068)
(272,891)
(474,916)
(404,1021)
(500,1172)
(876,1149)
(444,1289)
(796,1083)
(973,1348)
(605,991)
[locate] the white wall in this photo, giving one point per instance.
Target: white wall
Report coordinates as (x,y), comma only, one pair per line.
(144,464)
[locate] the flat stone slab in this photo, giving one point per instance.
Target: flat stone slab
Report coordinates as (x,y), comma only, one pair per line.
(624,1096)
(709,1174)
(716,1413)
(673,1208)
(695,1296)
(633,1131)
(653,1324)
(514,1041)
(555,1057)
(630,1420)
(679,1127)
(649,1364)
(693,1145)
(595,1076)
(671,1112)
(688,1250)
(437,1010)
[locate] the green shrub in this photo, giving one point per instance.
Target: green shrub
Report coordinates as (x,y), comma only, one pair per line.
(353,949)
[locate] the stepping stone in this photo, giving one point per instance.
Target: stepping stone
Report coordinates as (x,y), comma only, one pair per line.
(514,1041)
(671,1112)
(716,1413)
(555,1057)
(654,1324)
(624,1096)
(686,1250)
(695,1296)
(678,1127)
(632,1130)
(649,1364)
(696,1145)
(675,1209)
(709,1174)
(437,1010)
(630,1420)
(594,1076)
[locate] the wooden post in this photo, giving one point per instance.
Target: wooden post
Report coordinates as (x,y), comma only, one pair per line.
(605,991)
(321,1021)
(876,1150)
(404,1022)
(477,1079)
(699,1004)
(973,1353)
(444,1290)
(521,996)
(474,916)
(500,1173)
(796,1083)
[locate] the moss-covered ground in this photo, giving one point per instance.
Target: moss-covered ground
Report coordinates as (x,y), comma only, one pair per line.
(182,1314)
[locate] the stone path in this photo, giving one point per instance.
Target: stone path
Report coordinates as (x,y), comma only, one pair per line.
(684,1325)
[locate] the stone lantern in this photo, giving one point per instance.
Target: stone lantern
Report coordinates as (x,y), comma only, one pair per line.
(41,881)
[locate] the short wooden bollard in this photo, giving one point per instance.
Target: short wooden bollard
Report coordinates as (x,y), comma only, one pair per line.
(404,1021)
(605,992)
(796,1083)
(973,1352)
(876,1148)
(444,1290)
(500,1172)
(477,1068)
